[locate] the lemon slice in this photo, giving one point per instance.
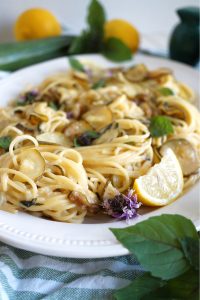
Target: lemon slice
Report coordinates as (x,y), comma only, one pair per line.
(162,184)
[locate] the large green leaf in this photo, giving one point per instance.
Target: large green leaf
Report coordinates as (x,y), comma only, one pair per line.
(182,287)
(148,287)
(139,288)
(96,16)
(191,250)
(156,244)
(116,50)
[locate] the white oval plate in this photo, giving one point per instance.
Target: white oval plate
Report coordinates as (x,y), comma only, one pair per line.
(93,238)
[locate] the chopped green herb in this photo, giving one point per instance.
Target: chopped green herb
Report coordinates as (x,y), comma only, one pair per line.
(76,144)
(76,65)
(160,126)
(116,50)
(5,142)
(86,138)
(99,84)
(28,98)
(165,91)
(30,203)
(53,105)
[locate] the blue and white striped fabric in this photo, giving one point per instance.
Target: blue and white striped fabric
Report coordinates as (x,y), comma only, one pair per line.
(28,276)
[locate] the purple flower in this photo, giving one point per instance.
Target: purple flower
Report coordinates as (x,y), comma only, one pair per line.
(122,206)
(28,98)
(70,115)
(89,73)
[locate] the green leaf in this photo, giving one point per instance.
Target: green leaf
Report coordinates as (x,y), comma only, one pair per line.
(53,105)
(155,242)
(160,125)
(191,250)
(5,142)
(116,50)
(91,39)
(96,16)
(29,203)
(75,142)
(76,65)
(99,84)
(140,287)
(148,287)
(82,43)
(165,91)
(86,138)
(181,287)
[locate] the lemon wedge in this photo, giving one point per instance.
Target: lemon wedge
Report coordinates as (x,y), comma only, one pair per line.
(162,184)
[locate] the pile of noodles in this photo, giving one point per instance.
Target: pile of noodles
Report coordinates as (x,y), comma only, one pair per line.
(46,173)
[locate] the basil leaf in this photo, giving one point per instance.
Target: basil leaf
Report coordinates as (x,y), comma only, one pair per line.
(91,39)
(76,144)
(28,98)
(155,242)
(182,287)
(5,142)
(165,91)
(53,105)
(76,65)
(82,43)
(29,203)
(99,84)
(160,125)
(191,250)
(116,50)
(140,287)
(86,138)
(96,16)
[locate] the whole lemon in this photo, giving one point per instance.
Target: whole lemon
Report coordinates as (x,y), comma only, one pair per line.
(36,23)
(124,31)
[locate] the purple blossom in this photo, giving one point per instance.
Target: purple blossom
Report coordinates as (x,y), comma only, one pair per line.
(28,98)
(70,115)
(89,73)
(109,73)
(122,206)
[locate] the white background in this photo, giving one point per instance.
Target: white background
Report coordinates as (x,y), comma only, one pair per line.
(151,17)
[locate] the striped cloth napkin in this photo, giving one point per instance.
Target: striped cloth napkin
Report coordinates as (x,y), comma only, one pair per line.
(28,276)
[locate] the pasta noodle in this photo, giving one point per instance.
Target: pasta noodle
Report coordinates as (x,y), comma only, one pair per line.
(70,138)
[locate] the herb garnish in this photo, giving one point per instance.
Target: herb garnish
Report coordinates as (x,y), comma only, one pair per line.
(92,40)
(27,98)
(76,65)
(171,270)
(86,138)
(160,125)
(99,84)
(54,105)
(29,203)
(165,91)
(122,206)
(5,142)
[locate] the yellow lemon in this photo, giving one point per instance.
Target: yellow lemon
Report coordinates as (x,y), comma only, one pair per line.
(162,184)
(124,31)
(36,23)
